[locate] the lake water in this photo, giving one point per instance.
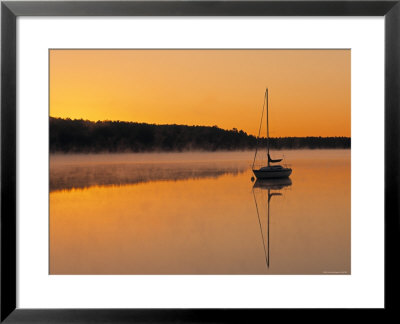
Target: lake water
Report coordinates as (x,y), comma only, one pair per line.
(198,213)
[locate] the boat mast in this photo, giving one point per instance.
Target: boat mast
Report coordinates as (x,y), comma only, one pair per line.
(259,132)
(266,98)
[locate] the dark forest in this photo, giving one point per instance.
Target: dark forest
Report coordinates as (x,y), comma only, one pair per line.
(83,136)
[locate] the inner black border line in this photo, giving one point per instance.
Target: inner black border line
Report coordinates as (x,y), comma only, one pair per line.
(10,10)
(198,49)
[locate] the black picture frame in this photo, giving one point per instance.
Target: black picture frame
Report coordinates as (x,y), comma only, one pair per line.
(10,10)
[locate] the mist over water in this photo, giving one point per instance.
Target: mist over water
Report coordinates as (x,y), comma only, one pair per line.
(198,213)
(86,170)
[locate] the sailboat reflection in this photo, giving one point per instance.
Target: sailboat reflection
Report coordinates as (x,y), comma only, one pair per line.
(268,185)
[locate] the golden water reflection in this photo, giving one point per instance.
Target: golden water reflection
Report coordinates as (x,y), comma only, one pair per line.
(201,224)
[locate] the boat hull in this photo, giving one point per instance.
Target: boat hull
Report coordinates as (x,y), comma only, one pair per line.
(272,174)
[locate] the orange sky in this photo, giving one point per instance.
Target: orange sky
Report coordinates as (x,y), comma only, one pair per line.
(309,89)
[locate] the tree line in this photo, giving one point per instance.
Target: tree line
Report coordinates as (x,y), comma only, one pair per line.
(84,136)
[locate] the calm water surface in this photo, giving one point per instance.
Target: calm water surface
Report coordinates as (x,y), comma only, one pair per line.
(198,213)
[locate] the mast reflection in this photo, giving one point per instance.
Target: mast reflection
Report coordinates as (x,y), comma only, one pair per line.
(270,187)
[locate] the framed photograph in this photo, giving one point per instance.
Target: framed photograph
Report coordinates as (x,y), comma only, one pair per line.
(190,161)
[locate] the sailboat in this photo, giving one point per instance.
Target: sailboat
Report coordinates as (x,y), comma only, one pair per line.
(270,171)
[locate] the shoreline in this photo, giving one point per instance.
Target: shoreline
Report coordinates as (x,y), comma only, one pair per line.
(193,151)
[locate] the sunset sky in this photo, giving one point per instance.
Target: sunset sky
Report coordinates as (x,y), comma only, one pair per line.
(309,89)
